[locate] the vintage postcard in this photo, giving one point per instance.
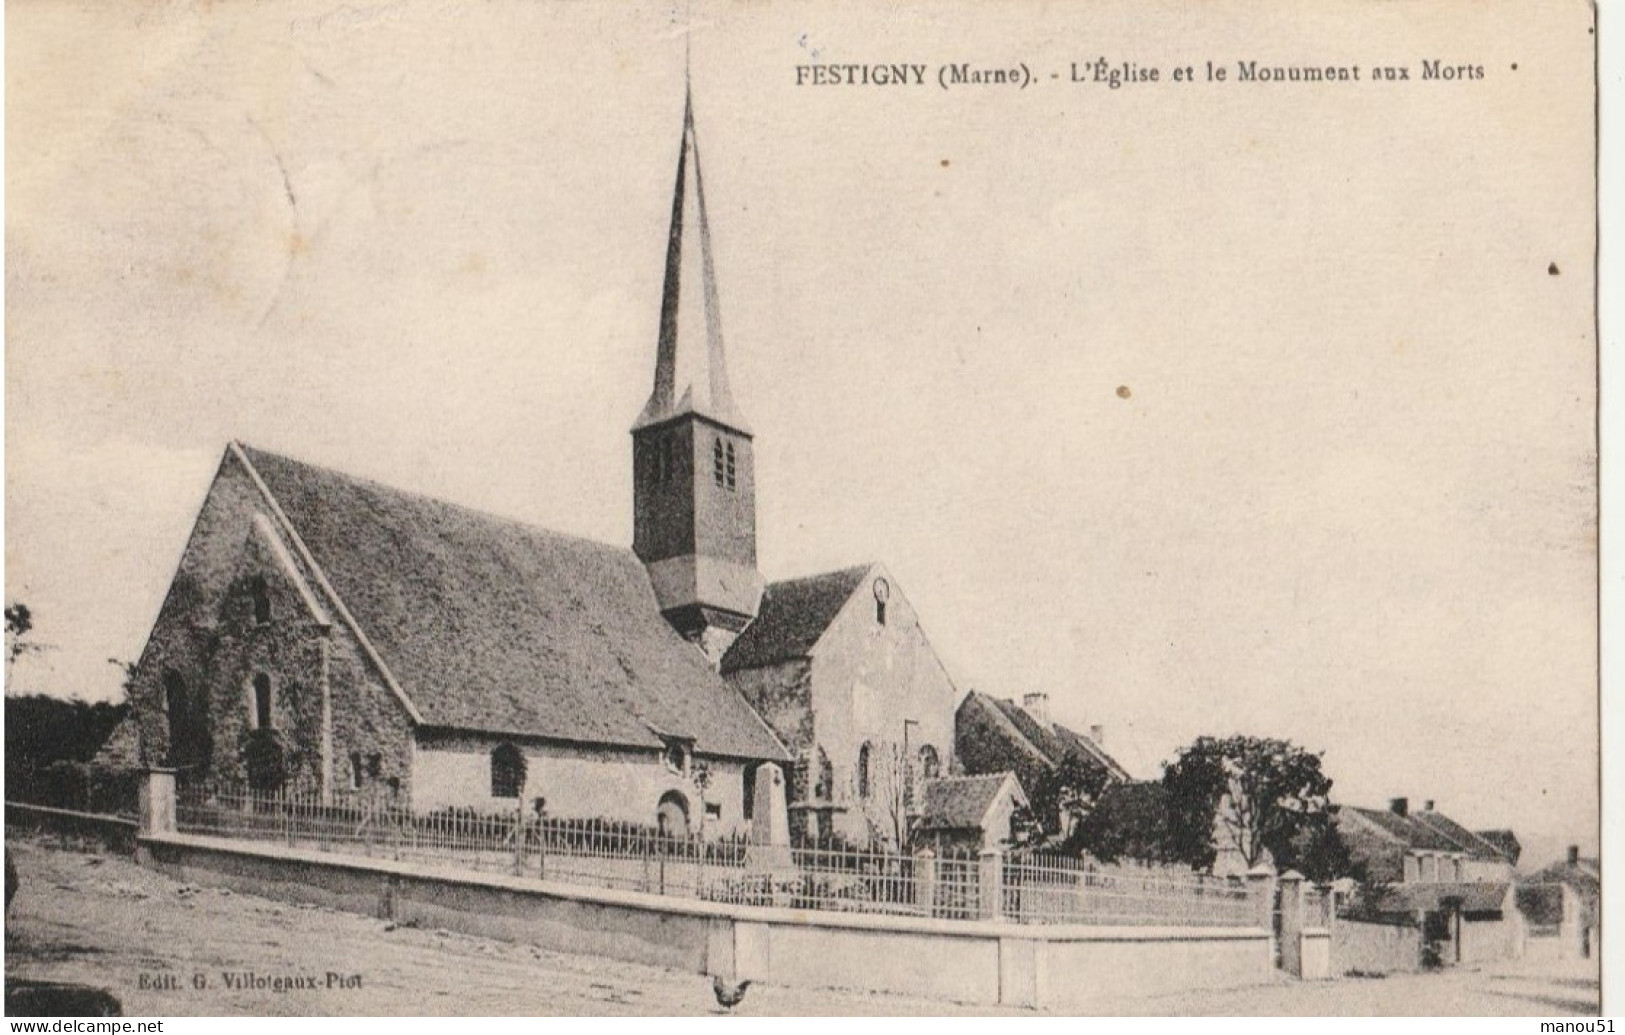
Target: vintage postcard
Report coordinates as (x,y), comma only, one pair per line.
(571,508)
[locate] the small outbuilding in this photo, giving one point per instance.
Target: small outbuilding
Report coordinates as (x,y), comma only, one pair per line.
(969,812)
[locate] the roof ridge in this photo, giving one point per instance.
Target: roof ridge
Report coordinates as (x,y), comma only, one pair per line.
(374,483)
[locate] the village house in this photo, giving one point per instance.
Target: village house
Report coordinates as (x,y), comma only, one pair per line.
(1403,845)
(996,735)
(327,635)
(1562,903)
(969,813)
(1423,867)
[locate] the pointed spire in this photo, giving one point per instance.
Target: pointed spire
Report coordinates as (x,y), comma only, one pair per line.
(691,373)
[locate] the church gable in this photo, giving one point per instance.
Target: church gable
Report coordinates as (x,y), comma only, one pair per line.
(795,615)
(233,683)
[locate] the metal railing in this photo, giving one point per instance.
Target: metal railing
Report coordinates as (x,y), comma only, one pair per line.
(1063,890)
(960,884)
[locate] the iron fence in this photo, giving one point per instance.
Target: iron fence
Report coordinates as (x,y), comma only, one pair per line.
(1059,889)
(955,884)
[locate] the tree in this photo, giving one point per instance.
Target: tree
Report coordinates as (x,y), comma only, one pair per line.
(1064,796)
(1129,821)
(890,803)
(1320,853)
(1259,794)
(19,623)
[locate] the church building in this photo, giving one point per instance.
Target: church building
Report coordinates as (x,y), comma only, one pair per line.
(327,635)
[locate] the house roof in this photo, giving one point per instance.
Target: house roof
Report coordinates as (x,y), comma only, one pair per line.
(1505,842)
(962,802)
(493,626)
(1476,847)
(793,617)
(1050,744)
(1577,877)
(1472,897)
(1083,745)
(1403,829)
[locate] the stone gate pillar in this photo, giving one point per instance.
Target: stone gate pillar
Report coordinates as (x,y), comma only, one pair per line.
(157,801)
(990,874)
(925,881)
(1261,889)
(1292,922)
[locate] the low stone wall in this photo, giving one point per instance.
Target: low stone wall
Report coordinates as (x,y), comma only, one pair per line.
(1490,940)
(1058,967)
(1369,948)
(112,832)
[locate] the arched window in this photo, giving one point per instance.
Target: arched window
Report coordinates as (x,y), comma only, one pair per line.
(262,758)
(186,731)
(825,790)
(719,461)
(507,771)
(262,600)
(930,765)
(262,701)
(651,464)
(863,771)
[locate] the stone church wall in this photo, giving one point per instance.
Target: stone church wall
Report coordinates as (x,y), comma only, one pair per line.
(881,684)
(235,612)
(577,782)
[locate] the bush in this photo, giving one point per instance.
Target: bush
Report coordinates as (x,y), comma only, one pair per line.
(63,785)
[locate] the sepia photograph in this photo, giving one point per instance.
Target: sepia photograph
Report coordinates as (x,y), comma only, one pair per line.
(543,508)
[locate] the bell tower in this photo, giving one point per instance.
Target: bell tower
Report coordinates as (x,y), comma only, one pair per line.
(694,470)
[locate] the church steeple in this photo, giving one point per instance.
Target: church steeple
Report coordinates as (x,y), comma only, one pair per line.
(694,481)
(691,370)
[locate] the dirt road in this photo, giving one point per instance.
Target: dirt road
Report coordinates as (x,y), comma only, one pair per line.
(168,949)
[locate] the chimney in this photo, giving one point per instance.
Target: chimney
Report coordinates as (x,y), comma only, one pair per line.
(1427,806)
(1097,733)
(1574,855)
(1399,806)
(1036,705)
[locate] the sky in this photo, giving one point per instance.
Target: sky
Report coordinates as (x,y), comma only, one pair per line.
(1259,408)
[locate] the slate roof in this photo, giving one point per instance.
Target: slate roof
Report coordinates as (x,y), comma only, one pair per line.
(793,617)
(1405,830)
(1050,744)
(960,802)
(493,626)
(1476,847)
